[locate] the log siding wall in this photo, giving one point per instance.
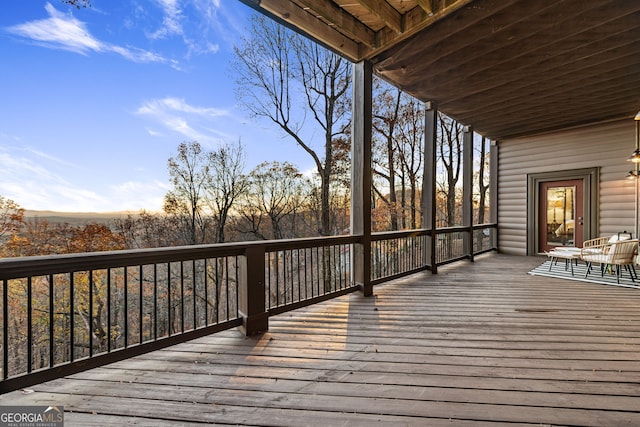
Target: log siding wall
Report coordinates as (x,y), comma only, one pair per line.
(605,146)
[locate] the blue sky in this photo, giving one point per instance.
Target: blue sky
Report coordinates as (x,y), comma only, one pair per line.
(94,101)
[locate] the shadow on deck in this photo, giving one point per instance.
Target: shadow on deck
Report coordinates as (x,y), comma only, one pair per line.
(480,343)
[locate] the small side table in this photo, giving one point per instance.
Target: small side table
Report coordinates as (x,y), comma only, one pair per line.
(568,254)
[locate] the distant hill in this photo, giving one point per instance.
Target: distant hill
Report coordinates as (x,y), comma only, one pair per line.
(76,217)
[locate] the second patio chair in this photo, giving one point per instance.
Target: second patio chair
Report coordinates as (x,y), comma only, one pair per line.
(617,255)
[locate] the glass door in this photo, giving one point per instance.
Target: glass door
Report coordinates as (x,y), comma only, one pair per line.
(561,214)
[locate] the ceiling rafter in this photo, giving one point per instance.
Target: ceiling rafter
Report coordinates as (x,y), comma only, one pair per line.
(299,18)
(426,5)
(387,13)
(340,20)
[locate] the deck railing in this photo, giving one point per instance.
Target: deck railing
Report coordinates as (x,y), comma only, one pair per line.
(67,313)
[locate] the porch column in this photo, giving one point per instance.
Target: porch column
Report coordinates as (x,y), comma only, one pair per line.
(251,291)
(361,175)
(429,180)
(467,188)
(493,191)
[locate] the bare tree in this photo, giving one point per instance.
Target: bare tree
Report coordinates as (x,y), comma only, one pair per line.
(189,171)
(449,154)
(277,193)
(483,184)
(409,147)
(270,66)
(225,184)
(78,3)
(11,217)
(385,121)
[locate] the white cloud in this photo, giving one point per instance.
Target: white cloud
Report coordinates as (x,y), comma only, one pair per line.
(192,122)
(134,195)
(33,180)
(172,20)
(195,33)
(24,179)
(63,31)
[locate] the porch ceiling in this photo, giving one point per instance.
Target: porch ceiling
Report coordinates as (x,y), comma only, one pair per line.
(506,67)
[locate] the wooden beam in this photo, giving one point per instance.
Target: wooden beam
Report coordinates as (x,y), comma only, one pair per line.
(467,188)
(429,189)
(415,21)
(361,174)
(308,24)
(341,20)
(426,5)
(387,13)
(251,289)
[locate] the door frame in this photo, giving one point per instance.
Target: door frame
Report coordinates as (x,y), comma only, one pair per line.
(591,179)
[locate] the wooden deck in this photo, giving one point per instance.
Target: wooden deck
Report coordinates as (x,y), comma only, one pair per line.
(480,343)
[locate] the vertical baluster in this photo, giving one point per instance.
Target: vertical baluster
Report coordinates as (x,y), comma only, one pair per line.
(277,266)
(29,324)
(268,279)
(141,307)
(52,320)
(5,329)
(226,275)
(340,266)
(181,296)
(206,293)
(193,291)
(285,285)
(311,281)
(126,307)
(237,266)
(217,292)
(90,313)
(72,325)
(306,281)
(109,310)
(298,271)
(154,322)
(169,320)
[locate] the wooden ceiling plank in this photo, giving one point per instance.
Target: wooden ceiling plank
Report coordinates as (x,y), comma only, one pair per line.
(387,13)
(554,94)
(547,52)
(544,114)
(311,25)
(451,61)
(590,57)
(341,20)
(465,27)
(415,21)
(578,114)
(587,62)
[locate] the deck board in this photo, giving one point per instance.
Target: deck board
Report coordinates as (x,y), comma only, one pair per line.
(480,343)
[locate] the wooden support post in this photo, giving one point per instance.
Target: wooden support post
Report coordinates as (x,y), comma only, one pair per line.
(493,190)
(251,291)
(429,180)
(467,188)
(361,175)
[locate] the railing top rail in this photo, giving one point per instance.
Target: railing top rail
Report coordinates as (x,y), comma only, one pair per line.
(311,242)
(385,235)
(12,268)
(446,230)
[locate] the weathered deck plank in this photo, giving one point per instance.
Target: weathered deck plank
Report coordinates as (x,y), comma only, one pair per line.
(478,344)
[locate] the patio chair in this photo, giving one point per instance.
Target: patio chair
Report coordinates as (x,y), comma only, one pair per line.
(602,244)
(619,254)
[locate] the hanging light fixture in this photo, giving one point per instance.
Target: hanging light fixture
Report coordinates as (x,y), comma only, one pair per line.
(635,157)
